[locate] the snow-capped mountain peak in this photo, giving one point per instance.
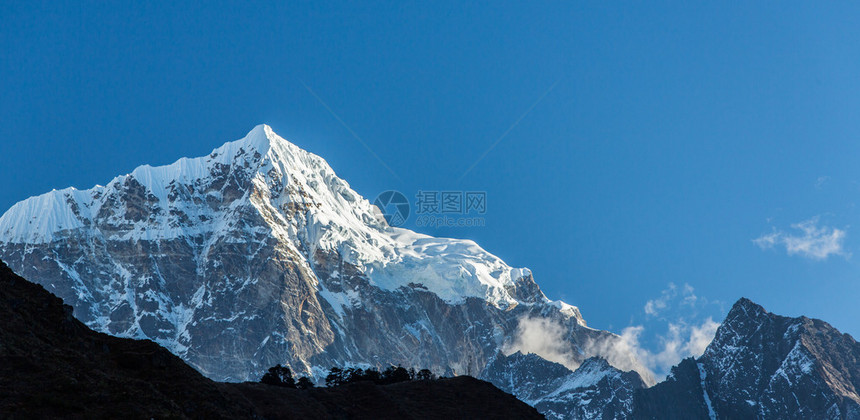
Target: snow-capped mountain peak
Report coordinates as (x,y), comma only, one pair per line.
(46,217)
(299,196)
(258,253)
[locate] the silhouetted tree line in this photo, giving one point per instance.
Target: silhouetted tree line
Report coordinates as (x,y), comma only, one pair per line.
(281,376)
(392,374)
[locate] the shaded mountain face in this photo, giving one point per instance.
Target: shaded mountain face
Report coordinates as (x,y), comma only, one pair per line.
(759,365)
(595,390)
(762,365)
(53,366)
(258,254)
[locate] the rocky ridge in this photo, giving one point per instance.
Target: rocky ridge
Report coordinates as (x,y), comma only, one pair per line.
(762,365)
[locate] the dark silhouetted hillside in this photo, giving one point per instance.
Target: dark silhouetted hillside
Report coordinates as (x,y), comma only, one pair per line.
(52,365)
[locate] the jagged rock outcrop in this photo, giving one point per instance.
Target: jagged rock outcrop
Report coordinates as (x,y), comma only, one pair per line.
(680,396)
(595,390)
(766,366)
(759,366)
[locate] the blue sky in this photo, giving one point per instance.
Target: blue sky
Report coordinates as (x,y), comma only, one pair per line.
(636,145)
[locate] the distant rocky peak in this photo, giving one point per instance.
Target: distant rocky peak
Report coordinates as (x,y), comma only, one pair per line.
(594,364)
(594,390)
(763,365)
(747,310)
(744,319)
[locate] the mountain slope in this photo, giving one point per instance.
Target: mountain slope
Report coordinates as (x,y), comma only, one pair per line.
(259,254)
(595,390)
(52,366)
(762,365)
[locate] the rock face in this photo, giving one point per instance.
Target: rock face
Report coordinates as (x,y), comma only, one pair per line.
(759,366)
(680,396)
(258,254)
(53,366)
(595,390)
(762,365)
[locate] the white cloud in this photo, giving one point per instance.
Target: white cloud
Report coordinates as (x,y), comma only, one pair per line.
(544,338)
(812,242)
(547,338)
(689,297)
(682,338)
(681,341)
(655,306)
(701,336)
